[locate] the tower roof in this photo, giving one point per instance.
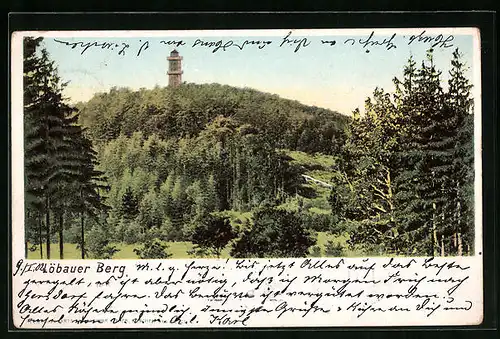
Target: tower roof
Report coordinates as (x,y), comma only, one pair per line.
(174,53)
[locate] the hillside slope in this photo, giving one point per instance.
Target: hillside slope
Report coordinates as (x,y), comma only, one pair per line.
(184,111)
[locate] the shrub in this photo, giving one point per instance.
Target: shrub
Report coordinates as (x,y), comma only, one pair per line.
(319,222)
(212,235)
(98,246)
(316,251)
(133,232)
(169,232)
(333,249)
(274,233)
(152,249)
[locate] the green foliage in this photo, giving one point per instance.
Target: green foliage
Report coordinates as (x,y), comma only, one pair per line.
(221,169)
(61,179)
(400,185)
(167,186)
(319,222)
(333,249)
(152,249)
(150,214)
(186,110)
(129,206)
(274,233)
(169,232)
(212,235)
(313,161)
(132,231)
(98,244)
(209,163)
(316,251)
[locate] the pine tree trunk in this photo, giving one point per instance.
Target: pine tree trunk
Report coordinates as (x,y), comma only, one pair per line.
(434,232)
(458,240)
(460,246)
(26,236)
(47,225)
(61,237)
(442,245)
(434,241)
(82,240)
(40,240)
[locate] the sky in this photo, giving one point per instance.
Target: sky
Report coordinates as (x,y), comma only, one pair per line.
(336,76)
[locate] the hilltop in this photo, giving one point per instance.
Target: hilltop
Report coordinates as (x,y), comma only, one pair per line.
(185,111)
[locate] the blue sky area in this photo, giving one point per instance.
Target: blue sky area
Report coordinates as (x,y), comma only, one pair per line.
(338,76)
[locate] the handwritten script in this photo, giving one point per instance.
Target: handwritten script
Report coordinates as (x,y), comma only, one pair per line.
(246,292)
(288,42)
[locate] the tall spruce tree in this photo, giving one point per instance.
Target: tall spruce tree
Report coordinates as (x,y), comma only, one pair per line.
(89,187)
(460,102)
(406,181)
(35,155)
(47,122)
(57,155)
(424,185)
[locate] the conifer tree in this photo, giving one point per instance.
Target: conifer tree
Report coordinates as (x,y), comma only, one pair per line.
(406,180)
(130,204)
(274,233)
(91,186)
(425,186)
(212,234)
(50,126)
(460,102)
(59,160)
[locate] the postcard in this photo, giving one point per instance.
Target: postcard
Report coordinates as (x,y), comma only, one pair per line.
(246,178)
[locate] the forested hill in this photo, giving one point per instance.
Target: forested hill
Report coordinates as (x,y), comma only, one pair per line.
(226,171)
(186,110)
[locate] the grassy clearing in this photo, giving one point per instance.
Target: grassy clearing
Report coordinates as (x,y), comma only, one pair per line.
(324,237)
(70,251)
(311,160)
(177,249)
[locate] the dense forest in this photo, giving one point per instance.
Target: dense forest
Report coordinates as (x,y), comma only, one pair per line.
(218,171)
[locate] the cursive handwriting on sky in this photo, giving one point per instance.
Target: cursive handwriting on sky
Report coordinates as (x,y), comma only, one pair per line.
(335,72)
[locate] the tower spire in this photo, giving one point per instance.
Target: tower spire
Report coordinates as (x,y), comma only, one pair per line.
(174,69)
